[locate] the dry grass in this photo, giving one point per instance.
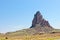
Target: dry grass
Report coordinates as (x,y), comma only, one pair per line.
(34,37)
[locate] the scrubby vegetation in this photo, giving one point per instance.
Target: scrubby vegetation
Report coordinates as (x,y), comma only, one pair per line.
(54,36)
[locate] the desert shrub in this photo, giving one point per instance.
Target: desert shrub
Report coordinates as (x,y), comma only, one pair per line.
(6,37)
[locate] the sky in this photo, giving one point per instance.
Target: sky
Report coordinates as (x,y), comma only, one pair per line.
(18,14)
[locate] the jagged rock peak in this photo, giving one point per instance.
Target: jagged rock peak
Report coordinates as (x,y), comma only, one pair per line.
(38,15)
(38,19)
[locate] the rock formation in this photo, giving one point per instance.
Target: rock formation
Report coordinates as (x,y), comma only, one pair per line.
(38,19)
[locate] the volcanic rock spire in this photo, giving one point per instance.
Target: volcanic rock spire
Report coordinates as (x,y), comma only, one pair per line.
(38,19)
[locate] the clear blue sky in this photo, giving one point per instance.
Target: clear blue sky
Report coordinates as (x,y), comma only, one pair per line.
(18,14)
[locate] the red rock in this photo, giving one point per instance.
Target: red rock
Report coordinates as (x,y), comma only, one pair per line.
(38,19)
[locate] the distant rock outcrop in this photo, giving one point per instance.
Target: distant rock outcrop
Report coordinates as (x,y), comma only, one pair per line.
(38,19)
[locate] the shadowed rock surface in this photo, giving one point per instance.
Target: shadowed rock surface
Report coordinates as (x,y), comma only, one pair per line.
(38,19)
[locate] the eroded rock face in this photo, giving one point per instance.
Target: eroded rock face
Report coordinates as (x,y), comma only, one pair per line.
(38,19)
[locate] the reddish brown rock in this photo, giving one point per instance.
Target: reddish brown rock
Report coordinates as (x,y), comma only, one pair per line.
(38,19)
